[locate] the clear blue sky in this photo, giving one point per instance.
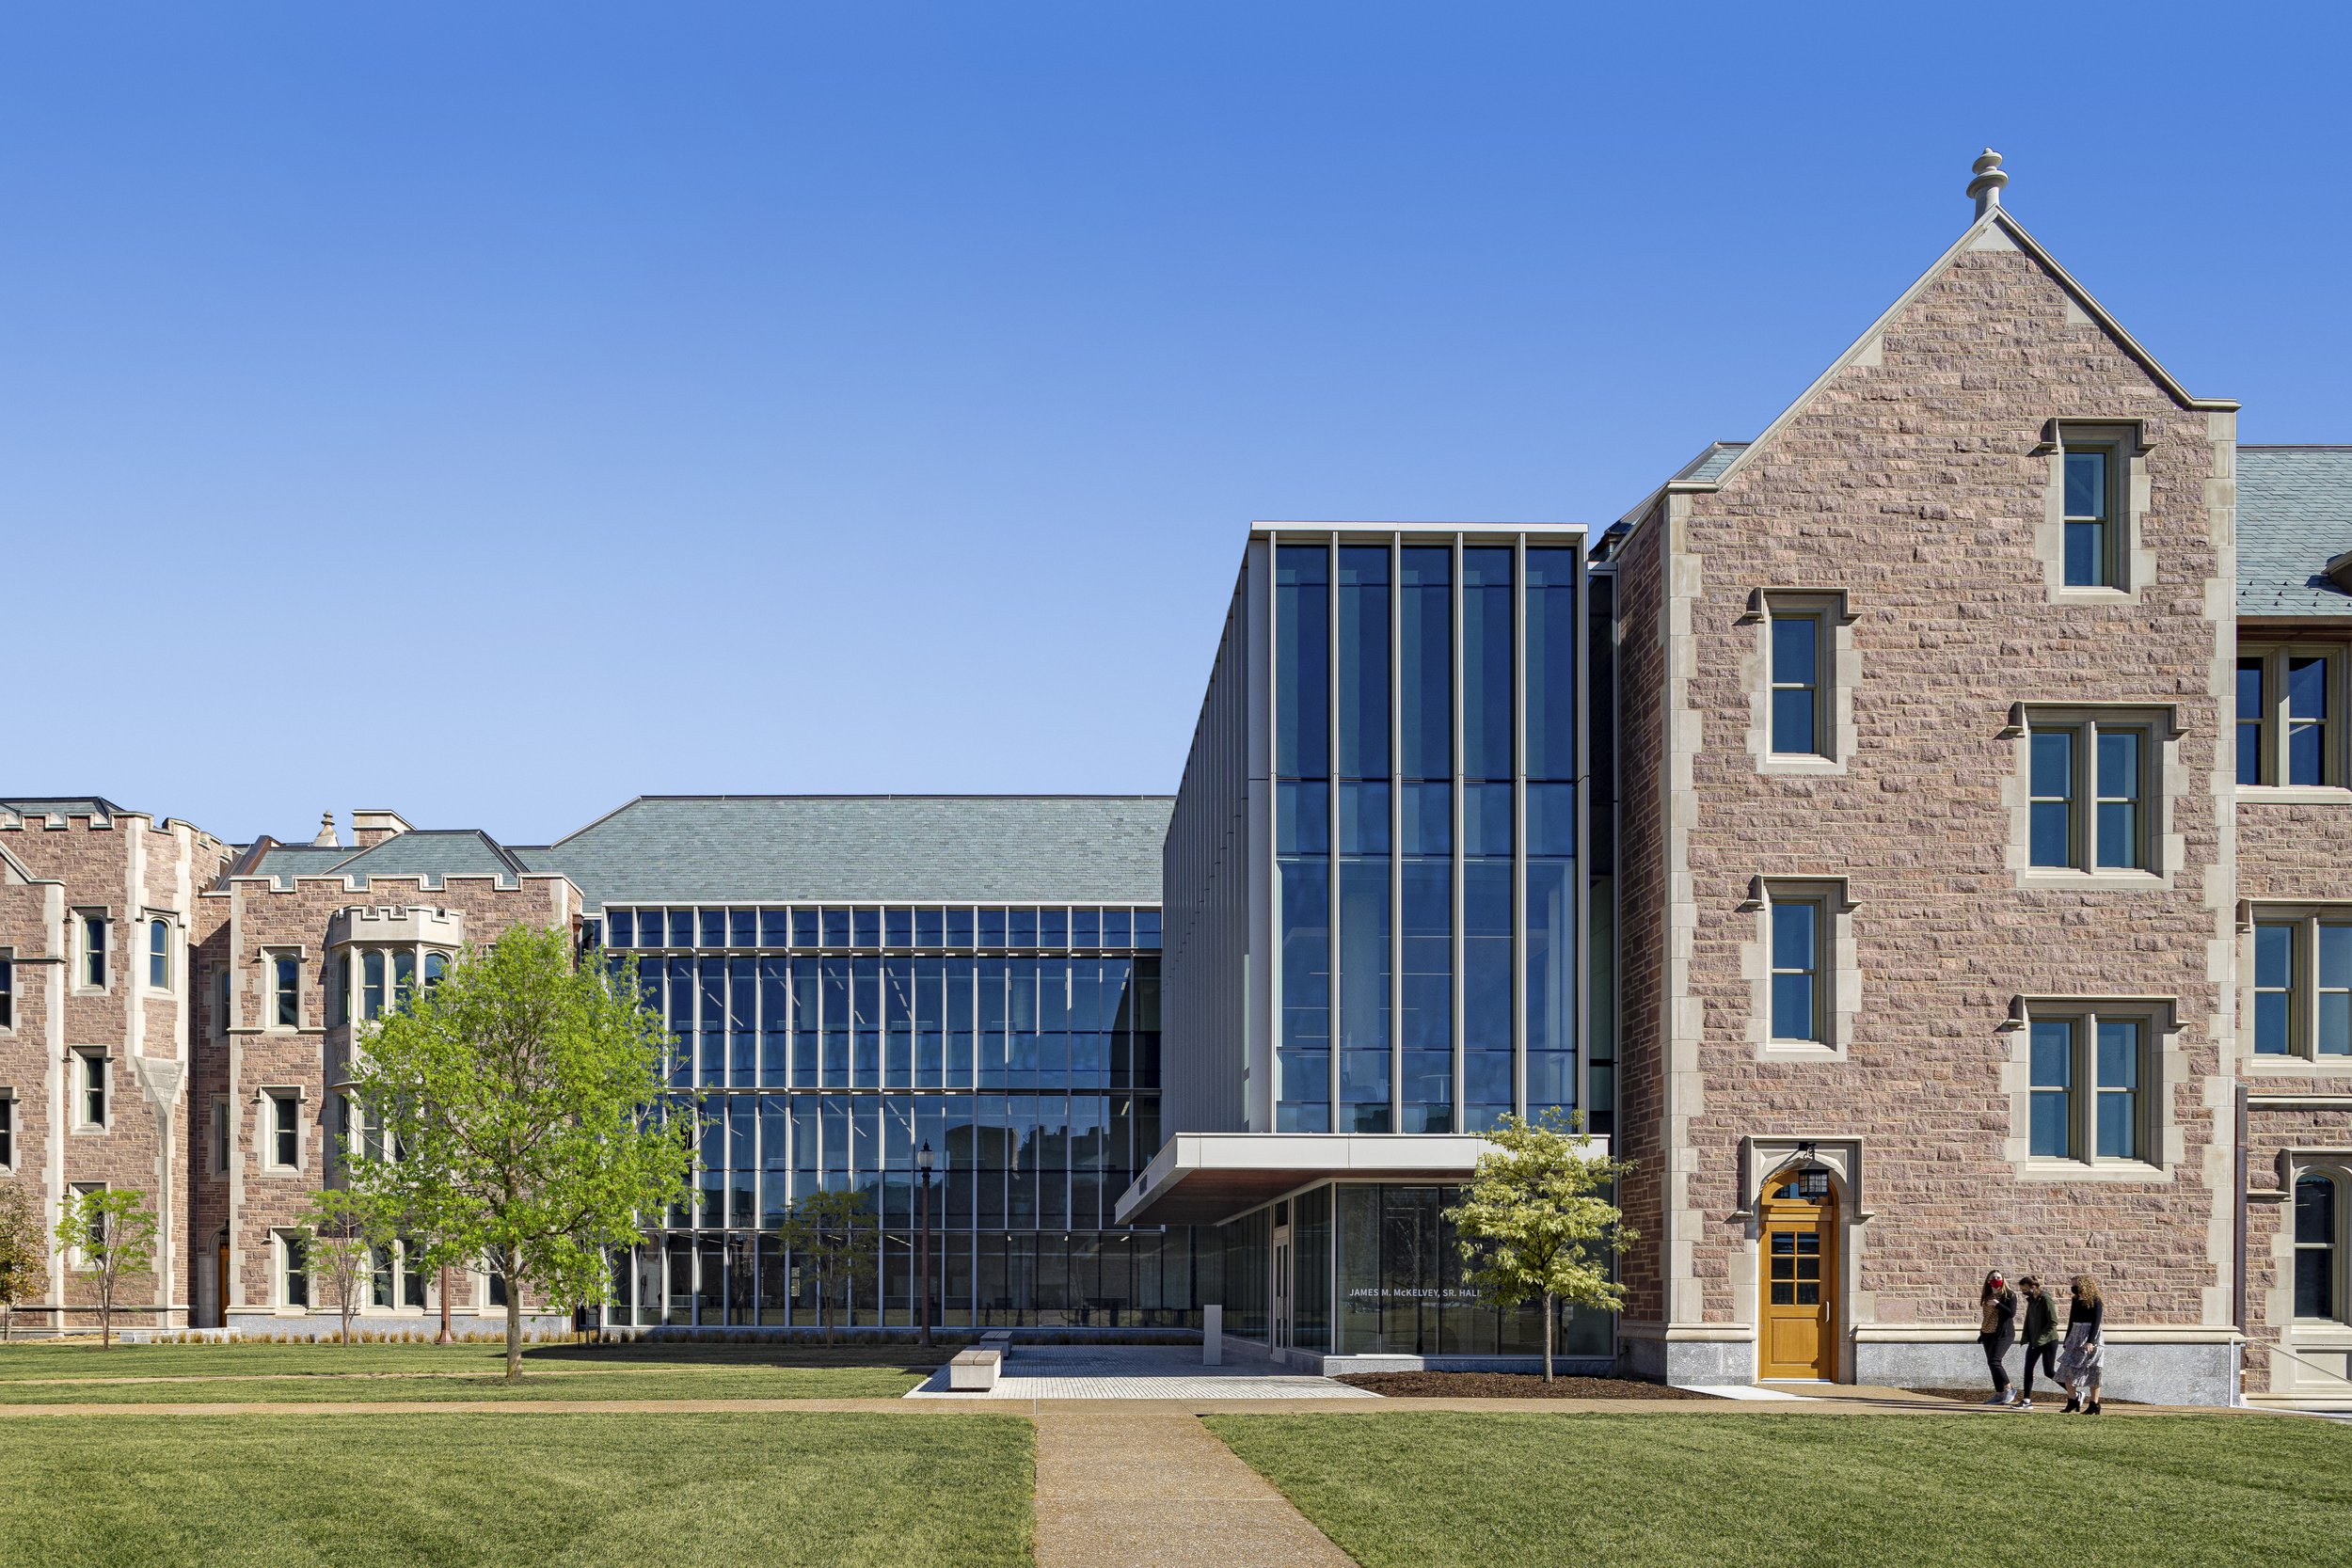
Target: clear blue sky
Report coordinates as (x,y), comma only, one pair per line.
(492,412)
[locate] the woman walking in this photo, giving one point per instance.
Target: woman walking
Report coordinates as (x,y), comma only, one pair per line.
(1996,1314)
(2039,1334)
(2080,1362)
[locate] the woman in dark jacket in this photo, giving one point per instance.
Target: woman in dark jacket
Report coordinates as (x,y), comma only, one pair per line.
(2039,1333)
(1996,1314)
(2080,1362)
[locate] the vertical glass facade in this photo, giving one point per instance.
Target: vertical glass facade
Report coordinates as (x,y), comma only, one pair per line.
(820,1048)
(1426,758)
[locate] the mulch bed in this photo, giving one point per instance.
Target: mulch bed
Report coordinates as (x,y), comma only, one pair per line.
(1511,1385)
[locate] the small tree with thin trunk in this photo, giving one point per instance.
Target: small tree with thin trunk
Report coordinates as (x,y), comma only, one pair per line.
(111,1232)
(520,1103)
(831,1232)
(344,1230)
(23,1250)
(1531,1224)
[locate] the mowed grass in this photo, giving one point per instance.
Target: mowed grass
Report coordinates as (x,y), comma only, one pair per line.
(243,1372)
(844,1491)
(1511,1490)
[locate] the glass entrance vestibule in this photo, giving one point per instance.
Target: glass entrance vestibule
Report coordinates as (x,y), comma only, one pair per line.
(1367,1268)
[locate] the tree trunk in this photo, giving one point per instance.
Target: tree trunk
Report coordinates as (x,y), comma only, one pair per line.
(825,1300)
(105,1315)
(1547,1336)
(446,1338)
(514,1322)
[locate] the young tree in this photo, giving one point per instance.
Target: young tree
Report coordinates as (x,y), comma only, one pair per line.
(22,1252)
(832,1233)
(113,1232)
(343,1230)
(519,1105)
(1531,1225)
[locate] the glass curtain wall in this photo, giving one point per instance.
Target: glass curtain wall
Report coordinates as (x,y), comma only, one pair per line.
(1399,1282)
(1425,740)
(818,1049)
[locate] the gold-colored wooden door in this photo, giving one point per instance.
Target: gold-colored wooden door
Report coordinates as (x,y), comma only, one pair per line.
(1799,1263)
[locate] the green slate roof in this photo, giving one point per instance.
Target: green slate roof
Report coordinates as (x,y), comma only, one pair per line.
(428,853)
(2294,515)
(906,848)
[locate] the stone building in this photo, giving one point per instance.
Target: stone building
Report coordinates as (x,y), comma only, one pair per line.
(1912,837)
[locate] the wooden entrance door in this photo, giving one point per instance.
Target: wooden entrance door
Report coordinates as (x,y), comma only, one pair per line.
(1799,1262)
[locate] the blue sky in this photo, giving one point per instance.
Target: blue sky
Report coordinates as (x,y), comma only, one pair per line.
(492,412)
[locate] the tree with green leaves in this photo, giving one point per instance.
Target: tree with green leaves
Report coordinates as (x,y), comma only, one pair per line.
(23,1250)
(833,1233)
(519,1105)
(1533,1225)
(344,1230)
(107,1234)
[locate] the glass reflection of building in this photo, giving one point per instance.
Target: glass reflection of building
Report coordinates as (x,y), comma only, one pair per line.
(1376,925)
(822,1045)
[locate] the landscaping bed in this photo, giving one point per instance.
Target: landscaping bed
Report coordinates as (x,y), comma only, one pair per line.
(1510,1386)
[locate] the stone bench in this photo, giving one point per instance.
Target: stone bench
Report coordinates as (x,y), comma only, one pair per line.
(973,1370)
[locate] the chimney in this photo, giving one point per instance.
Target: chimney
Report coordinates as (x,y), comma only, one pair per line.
(372,828)
(326,839)
(1986,186)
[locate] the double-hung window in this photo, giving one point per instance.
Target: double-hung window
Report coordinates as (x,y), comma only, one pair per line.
(2291,716)
(90,1089)
(7,990)
(2301,995)
(94,949)
(8,1132)
(2319,1214)
(2091,531)
(1798,971)
(1797,687)
(293,1277)
(286,990)
(2092,783)
(159,955)
(2092,1097)
(285,1129)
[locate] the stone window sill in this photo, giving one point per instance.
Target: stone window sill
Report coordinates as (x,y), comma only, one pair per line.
(2124,1171)
(2293,794)
(1799,1051)
(2048,879)
(2094,596)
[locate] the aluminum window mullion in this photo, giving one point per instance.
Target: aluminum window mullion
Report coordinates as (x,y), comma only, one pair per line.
(1396,836)
(1331,806)
(1457,982)
(1518,823)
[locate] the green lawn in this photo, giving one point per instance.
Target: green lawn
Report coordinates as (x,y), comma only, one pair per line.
(1502,1491)
(842,1490)
(30,1373)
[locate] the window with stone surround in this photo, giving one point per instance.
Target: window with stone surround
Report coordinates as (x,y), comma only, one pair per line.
(291,1261)
(2298,997)
(2320,1247)
(378,978)
(7,1130)
(2091,799)
(158,955)
(1801,679)
(284,1107)
(92,1089)
(1801,964)
(2093,1090)
(2090,539)
(7,989)
(286,990)
(2292,715)
(220,1137)
(92,925)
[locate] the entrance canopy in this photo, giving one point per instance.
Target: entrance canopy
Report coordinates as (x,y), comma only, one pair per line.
(1204,1177)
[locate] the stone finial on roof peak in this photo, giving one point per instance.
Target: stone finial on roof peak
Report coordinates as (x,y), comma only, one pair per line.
(1986,187)
(326,839)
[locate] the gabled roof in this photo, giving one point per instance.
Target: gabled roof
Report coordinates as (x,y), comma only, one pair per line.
(59,805)
(1994,230)
(436,854)
(914,849)
(2293,515)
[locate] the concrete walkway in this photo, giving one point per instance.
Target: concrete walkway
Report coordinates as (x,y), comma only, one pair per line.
(1138,1372)
(1146,1488)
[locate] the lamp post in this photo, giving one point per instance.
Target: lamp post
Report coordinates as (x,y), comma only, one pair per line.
(923,1158)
